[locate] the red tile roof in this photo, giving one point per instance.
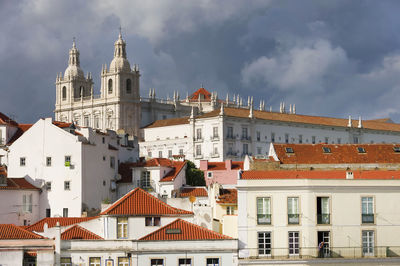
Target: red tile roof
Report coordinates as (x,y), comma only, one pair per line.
(5,120)
(291,118)
(138,202)
(202,91)
(78,232)
(340,153)
(18,184)
(52,221)
(227,196)
(320,174)
(183,230)
(215,166)
(11,231)
(193,191)
(177,167)
(61,124)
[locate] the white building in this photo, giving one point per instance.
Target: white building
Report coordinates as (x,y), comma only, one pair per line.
(234,132)
(288,213)
(76,168)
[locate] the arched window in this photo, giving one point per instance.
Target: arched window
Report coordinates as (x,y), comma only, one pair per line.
(128,86)
(81,90)
(64,93)
(110,86)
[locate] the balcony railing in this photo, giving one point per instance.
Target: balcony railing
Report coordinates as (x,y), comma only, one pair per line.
(214,155)
(269,253)
(232,154)
(246,138)
(293,218)
(230,137)
(214,138)
(264,218)
(367,218)
(323,218)
(198,139)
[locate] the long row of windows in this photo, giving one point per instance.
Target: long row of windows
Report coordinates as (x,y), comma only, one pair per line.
(265,247)
(264,214)
(124,261)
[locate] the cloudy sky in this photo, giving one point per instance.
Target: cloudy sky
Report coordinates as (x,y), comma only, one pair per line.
(331,58)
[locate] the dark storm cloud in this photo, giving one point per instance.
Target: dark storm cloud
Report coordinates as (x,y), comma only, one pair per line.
(328,57)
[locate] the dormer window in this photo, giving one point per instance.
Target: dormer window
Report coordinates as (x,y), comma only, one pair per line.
(361,150)
(289,150)
(396,149)
(326,149)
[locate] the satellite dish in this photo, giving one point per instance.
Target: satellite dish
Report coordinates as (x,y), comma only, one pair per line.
(192,199)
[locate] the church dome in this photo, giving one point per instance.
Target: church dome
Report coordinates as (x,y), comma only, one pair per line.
(120,63)
(74,71)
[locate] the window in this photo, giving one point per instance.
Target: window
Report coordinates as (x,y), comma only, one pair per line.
(294,248)
(66,261)
(209,174)
(48,161)
(86,121)
(215,148)
(396,149)
(230,133)
(245,148)
(22,161)
(103,139)
(264,210)
(367,209)
(185,262)
(64,93)
(169,153)
(230,210)
(215,132)
(67,185)
(368,242)
(213,262)
(326,149)
(27,203)
(313,139)
(286,138)
(128,86)
(264,243)
(157,262)
(198,134)
(112,162)
(326,140)
(48,186)
(244,133)
(339,141)
(104,158)
(122,261)
(94,261)
(65,212)
(48,213)
(110,86)
(230,148)
(96,122)
(300,138)
(258,150)
(159,154)
(67,160)
(198,150)
(361,150)
(289,150)
(180,151)
(122,227)
(145,180)
(153,221)
(355,140)
(272,137)
(258,133)
(149,154)
(293,210)
(323,216)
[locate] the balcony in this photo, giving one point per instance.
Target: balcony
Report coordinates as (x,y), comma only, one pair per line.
(323,218)
(230,137)
(214,155)
(198,156)
(231,154)
(263,218)
(368,218)
(198,139)
(293,218)
(245,138)
(214,138)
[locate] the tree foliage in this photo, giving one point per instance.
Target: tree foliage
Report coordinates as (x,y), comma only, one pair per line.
(194,176)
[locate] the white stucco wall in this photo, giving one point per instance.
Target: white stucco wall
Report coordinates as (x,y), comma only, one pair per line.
(11,207)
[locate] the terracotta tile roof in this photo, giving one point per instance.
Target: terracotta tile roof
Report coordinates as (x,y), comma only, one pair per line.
(138,202)
(169,122)
(193,191)
(177,167)
(61,124)
(227,196)
(5,120)
(320,174)
(18,184)
(11,231)
(214,166)
(78,232)
(202,91)
(22,128)
(339,153)
(183,230)
(52,221)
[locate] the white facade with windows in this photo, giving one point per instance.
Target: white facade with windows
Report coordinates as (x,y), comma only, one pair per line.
(76,169)
(288,216)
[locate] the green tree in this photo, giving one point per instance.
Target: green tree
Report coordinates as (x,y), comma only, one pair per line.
(194,176)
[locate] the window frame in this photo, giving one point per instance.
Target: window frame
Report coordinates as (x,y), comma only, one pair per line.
(266,251)
(373,210)
(151,261)
(213,263)
(22,161)
(295,249)
(329,209)
(268,216)
(122,222)
(298,210)
(67,185)
(48,161)
(68,263)
(368,246)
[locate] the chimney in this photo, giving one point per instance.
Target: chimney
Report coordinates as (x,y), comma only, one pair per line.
(349,175)
(228,164)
